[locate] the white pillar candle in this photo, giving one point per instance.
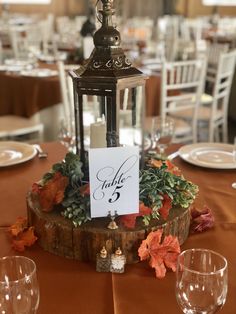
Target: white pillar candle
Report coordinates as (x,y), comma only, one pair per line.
(98,134)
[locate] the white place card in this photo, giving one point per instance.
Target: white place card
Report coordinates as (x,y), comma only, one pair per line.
(114,180)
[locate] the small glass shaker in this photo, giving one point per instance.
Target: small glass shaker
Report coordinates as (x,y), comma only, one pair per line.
(103,261)
(118,262)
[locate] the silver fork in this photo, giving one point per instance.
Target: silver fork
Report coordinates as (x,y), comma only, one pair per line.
(41,153)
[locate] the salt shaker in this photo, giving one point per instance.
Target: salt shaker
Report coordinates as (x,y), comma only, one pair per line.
(118,262)
(103,261)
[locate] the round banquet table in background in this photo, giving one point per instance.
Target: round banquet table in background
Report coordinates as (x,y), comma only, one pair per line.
(71,287)
(26,95)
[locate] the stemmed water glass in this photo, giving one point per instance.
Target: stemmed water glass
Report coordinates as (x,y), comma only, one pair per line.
(67,134)
(162,133)
(201,281)
(19,290)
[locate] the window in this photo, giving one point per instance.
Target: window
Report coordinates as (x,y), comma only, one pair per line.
(219,2)
(25,1)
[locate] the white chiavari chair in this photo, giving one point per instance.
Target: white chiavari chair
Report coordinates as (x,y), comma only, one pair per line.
(181,89)
(90,105)
(215,114)
(18,128)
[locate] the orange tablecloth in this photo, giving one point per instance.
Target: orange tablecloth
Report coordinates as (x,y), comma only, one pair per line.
(71,287)
(24,95)
(153,94)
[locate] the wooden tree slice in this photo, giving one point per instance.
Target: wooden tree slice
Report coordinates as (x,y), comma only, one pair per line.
(59,236)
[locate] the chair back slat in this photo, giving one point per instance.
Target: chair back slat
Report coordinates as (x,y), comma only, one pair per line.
(221,92)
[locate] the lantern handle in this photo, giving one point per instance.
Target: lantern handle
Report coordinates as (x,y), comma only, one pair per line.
(97,15)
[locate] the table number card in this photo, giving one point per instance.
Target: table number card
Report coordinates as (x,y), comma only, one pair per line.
(114,180)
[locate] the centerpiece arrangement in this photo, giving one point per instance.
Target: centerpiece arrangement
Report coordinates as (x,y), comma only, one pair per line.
(59,210)
(59,204)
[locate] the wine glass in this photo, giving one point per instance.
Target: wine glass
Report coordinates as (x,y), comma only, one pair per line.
(201,281)
(67,134)
(19,290)
(162,133)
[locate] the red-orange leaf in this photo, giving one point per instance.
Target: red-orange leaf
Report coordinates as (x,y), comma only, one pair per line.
(144,210)
(129,220)
(172,168)
(52,192)
(25,238)
(18,226)
(166,206)
(18,245)
(157,262)
(152,242)
(160,255)
(156,163)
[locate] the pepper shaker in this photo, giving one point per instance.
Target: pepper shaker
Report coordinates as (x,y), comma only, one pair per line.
(118,262)
(103,261)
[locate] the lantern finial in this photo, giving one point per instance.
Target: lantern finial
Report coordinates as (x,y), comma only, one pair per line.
(108,58)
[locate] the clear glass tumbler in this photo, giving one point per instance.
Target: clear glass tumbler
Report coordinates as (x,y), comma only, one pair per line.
(201,281)
(19,289)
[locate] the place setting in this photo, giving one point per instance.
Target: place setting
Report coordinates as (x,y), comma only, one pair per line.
(17,65)
(209,155)
(14,153)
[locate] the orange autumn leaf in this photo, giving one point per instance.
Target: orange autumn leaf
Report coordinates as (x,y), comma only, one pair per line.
(18,245)
(153,239)
(160,255)
(172,168)
(129,220)
(26,238)
(59,196)
(156,163)
(144,210)
(166,206)
(169,251)
(85,189)
(52,192)
(18,226)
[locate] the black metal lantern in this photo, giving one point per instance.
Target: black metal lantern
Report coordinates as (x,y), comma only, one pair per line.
(106,74)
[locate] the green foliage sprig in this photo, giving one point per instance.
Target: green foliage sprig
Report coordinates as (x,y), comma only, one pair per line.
(156,182)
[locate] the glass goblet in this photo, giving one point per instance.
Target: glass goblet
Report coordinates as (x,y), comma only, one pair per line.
(19,290)
(162,133)
(201,281)
(67,134)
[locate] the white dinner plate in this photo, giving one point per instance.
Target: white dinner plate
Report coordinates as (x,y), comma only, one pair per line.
(209,155)
(13,153)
